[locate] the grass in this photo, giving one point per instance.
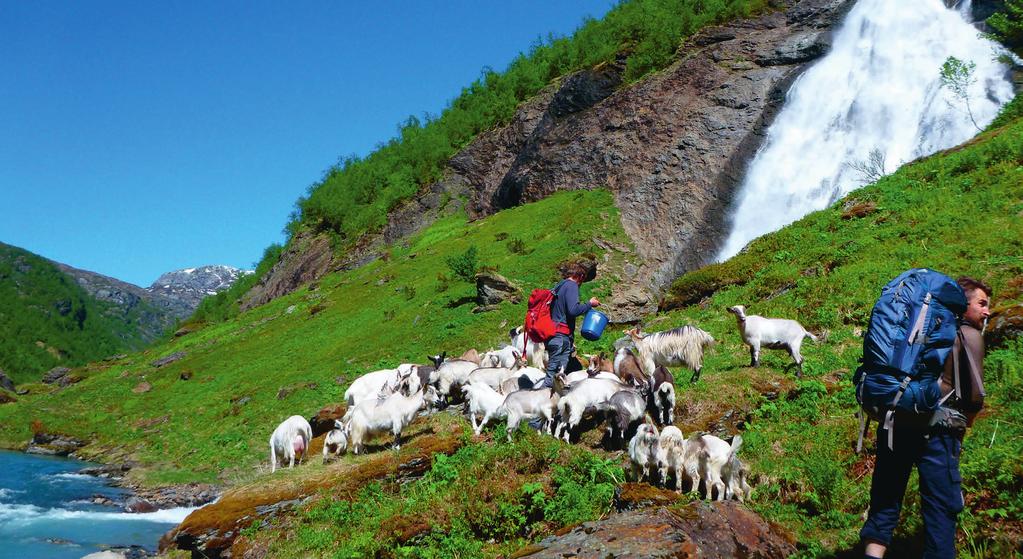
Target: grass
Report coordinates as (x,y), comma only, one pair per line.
(959,211)
(298,352)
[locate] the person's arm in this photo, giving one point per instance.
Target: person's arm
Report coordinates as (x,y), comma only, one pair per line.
(572,303)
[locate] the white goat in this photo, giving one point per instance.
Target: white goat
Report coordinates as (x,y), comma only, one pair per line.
(506,357)
(370,385)
(591,394)
(735,475)
(536,354)
(526,378)
(680,346)
(673,457)
(530,404)
(483,400)
(643,451)
(452,374)
(712,454)
(392,414)
(335,442)
(491,376)
(290,439)
(772,333)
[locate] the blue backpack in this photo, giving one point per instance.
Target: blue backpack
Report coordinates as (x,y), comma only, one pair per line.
(912,329)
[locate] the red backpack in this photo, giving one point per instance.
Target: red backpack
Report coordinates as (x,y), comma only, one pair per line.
(539,326)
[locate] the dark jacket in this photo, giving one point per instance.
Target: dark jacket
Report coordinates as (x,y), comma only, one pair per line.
(566,305)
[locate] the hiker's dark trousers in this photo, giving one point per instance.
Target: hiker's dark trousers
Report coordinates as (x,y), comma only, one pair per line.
(941,499)
(559,350)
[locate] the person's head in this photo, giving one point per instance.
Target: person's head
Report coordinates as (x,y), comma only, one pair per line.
(575,272)
(978,300)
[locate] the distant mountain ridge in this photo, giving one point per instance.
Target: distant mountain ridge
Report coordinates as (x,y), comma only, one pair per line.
(52,314)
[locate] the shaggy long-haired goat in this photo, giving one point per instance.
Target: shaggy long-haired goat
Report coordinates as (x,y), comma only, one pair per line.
(680,346)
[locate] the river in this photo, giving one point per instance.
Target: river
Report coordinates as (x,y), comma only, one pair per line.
(46,511)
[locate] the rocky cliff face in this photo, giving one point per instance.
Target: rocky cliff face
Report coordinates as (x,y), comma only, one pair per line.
(187,288)
(672,148)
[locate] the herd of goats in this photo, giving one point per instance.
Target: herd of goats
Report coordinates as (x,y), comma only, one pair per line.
(511,383)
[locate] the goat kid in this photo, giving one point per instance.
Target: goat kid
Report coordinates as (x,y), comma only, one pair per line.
(335,442)
(772,333)
(643,451)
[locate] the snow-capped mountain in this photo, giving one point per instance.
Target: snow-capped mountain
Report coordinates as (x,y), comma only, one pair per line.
(192,285)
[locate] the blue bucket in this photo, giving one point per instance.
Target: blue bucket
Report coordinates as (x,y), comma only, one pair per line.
(593,325)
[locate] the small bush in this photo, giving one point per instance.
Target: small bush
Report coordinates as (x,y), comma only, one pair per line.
(517,246)
(443,282)
(464,266)
(408,292)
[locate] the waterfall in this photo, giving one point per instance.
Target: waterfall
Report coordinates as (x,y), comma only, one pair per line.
(878,89)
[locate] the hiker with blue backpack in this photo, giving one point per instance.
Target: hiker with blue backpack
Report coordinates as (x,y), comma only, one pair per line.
(922,380)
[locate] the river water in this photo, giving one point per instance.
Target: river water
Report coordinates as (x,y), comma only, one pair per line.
(45,511)
(878,90)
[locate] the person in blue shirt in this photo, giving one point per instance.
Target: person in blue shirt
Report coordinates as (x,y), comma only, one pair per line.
(565,309)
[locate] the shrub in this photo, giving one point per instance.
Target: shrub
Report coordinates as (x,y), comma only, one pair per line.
(464,266)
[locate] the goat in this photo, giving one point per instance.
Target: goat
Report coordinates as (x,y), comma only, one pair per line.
(428,373)
(483,400)
(335,442)
(370,385)
(394,414)
(662,395)
(290,440)
(576,376)
(530,404)
(643,451)
(772,333)
(680,346)
(735,473)
(491,376)
(526,378)
(471,355)
(626,409)
(712,454)
(587,395)
(506,357)
(452,374)
(627,367)
(673,456)
(535,352)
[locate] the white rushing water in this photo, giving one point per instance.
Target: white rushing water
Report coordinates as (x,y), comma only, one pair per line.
(878,88)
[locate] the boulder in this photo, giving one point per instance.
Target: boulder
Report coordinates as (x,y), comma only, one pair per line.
(493,288)
(701,529)
(5,382)
(6,398)
(54,375)
(53,444)
(142,387)
(323,421)
(1006,323)
(176,356)
(137,505)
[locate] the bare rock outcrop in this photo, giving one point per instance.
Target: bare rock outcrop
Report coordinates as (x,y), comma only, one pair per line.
(672,147)
(705,530)
(307,258)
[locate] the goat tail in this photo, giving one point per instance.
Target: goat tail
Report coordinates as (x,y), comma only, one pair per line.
(808,334)
(736,445)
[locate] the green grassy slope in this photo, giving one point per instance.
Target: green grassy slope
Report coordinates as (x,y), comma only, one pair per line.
(47,319)
(959,211)
(299,352)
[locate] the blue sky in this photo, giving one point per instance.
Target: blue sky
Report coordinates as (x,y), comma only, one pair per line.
(142,137)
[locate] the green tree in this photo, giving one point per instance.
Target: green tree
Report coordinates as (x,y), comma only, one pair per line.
(1007,25)
(957,76)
